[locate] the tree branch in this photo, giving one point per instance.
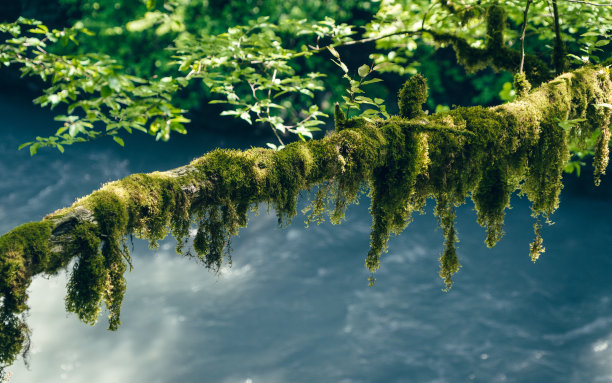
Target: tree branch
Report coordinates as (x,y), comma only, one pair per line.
(525,13)
(483,152)
(589,3)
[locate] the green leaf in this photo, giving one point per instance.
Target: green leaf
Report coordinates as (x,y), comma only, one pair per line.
(344,67)
(34,148)
(601,43)
(334,52)
(60,148)
(105,91)
(363,70)
(118,140)
(373,80)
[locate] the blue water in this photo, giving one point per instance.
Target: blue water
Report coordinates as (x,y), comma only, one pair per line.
(295,306)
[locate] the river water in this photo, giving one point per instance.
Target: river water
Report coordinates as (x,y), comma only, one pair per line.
(296,307)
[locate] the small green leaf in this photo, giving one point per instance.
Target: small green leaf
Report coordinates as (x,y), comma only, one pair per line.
(60,148)
(344,67)
(105,91)
(371,81)
(118,140)
(363,70)
(333,52)
(601,43)
(34,149)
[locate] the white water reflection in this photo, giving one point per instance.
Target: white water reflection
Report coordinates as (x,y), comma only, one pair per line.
(295,306)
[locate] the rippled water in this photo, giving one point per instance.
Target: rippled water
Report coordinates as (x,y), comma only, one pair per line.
(295,306)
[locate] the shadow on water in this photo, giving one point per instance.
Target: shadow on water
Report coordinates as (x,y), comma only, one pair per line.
(296,307)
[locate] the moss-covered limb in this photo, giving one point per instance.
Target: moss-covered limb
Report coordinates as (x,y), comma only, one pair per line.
(495,52)
(485,153)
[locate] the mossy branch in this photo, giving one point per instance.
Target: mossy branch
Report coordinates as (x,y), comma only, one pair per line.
(495,52)
(485,153)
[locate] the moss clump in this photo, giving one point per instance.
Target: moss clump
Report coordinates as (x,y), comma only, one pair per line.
(521,84)
(89,276)
(546,162)
(536,248)
(449,261)
(491,198)
(392,186)
(339,118)
(412,96)
(14,338)
(112,217)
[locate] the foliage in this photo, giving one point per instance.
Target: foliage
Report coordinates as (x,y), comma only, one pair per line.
(257,69)
(101,101)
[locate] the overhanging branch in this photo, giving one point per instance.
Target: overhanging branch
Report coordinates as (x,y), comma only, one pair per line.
(485,153)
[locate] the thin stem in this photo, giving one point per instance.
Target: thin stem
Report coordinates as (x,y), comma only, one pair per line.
(558,48)
(523,35)
(589,3)
(317,48)
(268,108)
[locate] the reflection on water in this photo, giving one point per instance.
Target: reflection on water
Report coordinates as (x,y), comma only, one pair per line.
(295,306)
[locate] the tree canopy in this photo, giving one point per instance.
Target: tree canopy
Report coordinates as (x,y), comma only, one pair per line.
(558,111)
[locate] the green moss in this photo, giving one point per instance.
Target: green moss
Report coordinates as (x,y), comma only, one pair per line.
(412,96)
(521,84)
(89,276)
(392,186)
(546,162)
(112,217)
(449,261)
(491,198)
(496,25)
(495,53)
(14,338)
(536,248)
(24,253)
(485,153)
(339,118)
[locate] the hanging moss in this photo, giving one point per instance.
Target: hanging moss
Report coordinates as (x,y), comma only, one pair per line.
(449,261)
(14,338)
(543,182)
(536,248)
(391,188)
(89,276)
(485,153)
(491,198)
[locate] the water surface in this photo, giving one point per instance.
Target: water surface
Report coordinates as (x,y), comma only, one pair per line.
(295,306)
